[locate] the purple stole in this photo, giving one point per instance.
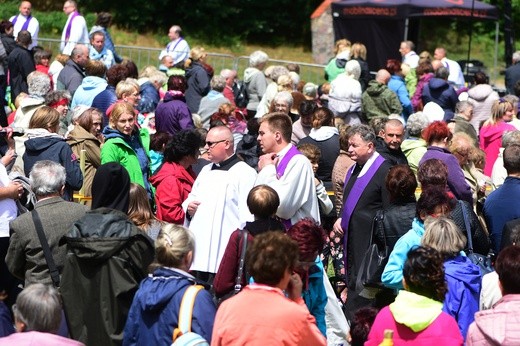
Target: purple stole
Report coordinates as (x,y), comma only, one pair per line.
(169,45)
(69,26)
(280,170)
(25,25)
(355,194)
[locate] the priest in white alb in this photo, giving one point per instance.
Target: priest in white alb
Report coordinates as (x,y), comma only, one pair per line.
(217,203)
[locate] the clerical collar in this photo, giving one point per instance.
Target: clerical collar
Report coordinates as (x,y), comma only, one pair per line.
(226,164)
(366,165)
(284,151)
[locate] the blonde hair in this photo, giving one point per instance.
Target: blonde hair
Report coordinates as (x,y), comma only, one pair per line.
(45,117)
(173,243)
(126,87)
(342,45)
(196,53)
(285,83)
(119,109)
(443,235)
(358,50)
(499,108)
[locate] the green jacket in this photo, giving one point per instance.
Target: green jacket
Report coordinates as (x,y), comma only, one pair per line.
(117,150)
(378,100)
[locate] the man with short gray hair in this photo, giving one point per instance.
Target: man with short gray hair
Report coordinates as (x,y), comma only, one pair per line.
(72,74)
(410,57)
(25,258)
(210,103)
(37,316)
(513,73)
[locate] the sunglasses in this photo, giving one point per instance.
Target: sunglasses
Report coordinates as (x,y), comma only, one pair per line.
(212,144)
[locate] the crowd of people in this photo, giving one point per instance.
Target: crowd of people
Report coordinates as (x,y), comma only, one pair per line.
(140,192)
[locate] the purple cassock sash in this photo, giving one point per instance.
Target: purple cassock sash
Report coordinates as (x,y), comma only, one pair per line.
(69,26)
(25,25)
(280,170)
(355,193)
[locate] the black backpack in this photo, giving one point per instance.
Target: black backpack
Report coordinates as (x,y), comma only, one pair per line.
(241,95)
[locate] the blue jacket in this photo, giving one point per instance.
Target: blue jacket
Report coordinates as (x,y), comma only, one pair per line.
(315,296)
(397,85)
(149,98)
(439,91)
(500,207)
(464,282)
(154,312)
(90,87)
(103,100)
(393,274)
(198,85)
(54,148)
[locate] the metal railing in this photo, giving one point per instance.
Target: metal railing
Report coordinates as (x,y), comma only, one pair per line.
(145,56)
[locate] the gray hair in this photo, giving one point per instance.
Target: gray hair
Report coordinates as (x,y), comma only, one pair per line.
(416,123)
(258,58)
(278,71)
(38,306)
(56,95)
(409,44)
(442,73)
(462,106)
(227,73)
(284,96)
(516,56)
(364,131)
(353,69)
(510,137)
(157,77)
(39,83)
(47,178)
(218,83)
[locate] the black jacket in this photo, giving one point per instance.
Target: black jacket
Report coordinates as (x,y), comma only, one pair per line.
(54,148)
(20,63)
(107,258)
(395,157)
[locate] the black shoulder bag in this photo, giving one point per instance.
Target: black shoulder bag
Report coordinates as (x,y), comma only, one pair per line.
(55,274)
(483,262)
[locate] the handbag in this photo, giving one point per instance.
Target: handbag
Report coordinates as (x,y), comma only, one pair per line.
(238,281)
(375,258)
(483,262)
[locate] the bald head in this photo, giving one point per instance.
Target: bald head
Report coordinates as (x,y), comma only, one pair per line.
(219,143)
(25,8)
(393,133)
(383,76)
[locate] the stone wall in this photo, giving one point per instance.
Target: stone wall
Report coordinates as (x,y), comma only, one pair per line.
(322,37)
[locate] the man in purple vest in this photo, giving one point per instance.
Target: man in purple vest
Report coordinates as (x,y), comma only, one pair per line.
(25,21)
(288,172)
(75,29)
(365,193)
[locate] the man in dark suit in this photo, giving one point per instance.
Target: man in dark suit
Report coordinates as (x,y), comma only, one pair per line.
(513,73)
(25,258)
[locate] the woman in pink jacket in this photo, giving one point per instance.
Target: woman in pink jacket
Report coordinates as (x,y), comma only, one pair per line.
(501,325)
(416,315)
(492,130)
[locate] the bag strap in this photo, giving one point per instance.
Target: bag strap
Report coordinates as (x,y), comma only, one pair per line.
(55,274)
(238,282)
(467,225)
(186,311)
(378,227)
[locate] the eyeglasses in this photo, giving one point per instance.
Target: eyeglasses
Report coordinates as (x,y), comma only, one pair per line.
(212,144)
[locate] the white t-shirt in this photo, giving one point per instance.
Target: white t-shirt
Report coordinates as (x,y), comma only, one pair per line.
(8,209)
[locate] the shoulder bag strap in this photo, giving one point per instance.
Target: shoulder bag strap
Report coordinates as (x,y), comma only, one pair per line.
(186,311)
(238,282)
(55,274)
(467,225)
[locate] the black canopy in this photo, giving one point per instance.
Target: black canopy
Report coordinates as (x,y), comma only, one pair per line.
(380,24)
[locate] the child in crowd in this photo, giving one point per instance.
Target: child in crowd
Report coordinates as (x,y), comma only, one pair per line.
(42,59)
(157,144)
(313,154)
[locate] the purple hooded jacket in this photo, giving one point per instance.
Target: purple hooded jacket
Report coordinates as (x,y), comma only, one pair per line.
(173,115)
